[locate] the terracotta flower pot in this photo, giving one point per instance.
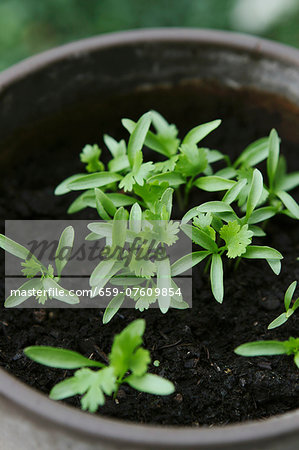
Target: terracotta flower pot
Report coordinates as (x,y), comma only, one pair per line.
(61,95)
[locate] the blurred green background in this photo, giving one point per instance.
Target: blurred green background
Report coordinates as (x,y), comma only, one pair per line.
(30,26)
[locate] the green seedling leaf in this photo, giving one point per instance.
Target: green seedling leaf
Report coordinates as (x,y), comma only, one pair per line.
(275,265)
(135,218)
(291,204)
(200,132)
(273,157)
(214,207)
(255,192)
(152,384)
(104,204)
(23,293)
(233,193)
(261,252)
(93,180)
(126,353)
(64,249)
(113,307)
(102,273)
(172,178)
(14,248)
(214,184)
(262,214)
(192,160)
(261,348)
(138,136)
(199,237)
(59,357)
(237,238)
(254,153)
(119,228)
(91,157)
(289,181)
(164,284)
(59,293)
(63,188)
(187,262)
(289,294)
(92,384)
(280,320)
(216,275)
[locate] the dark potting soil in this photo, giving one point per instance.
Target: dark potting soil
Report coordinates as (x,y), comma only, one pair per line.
(194,347)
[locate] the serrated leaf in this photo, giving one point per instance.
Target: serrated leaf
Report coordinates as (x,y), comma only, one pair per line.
(90,155)
(124,347)
(237,238)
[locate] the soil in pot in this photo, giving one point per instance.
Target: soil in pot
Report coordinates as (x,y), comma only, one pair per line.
(195,348)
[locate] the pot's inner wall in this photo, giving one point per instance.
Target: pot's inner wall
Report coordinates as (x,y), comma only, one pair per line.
(247,114)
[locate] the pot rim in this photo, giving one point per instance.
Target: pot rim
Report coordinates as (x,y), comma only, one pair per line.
(32,402)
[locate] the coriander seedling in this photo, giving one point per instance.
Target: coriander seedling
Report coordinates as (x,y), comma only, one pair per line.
(218,230)
(130,240)
(127,171)
(265,348)
(46,283)
(128,363)
(289,310)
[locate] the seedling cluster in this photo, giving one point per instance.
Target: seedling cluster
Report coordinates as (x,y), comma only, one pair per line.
(133,197)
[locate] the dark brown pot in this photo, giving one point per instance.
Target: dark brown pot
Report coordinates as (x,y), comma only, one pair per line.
(72,94)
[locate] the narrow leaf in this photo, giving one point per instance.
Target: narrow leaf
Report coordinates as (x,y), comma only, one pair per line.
(201,131)
(217,277)
(59,357)
(64,248)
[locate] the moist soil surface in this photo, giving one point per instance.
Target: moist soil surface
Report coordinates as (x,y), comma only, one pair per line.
(194,347)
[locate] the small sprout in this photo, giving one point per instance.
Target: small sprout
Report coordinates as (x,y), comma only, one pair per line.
(156,363)
(265,348)
(46,285)
(289,310)
(215,221)
(91,156)
(128,363)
